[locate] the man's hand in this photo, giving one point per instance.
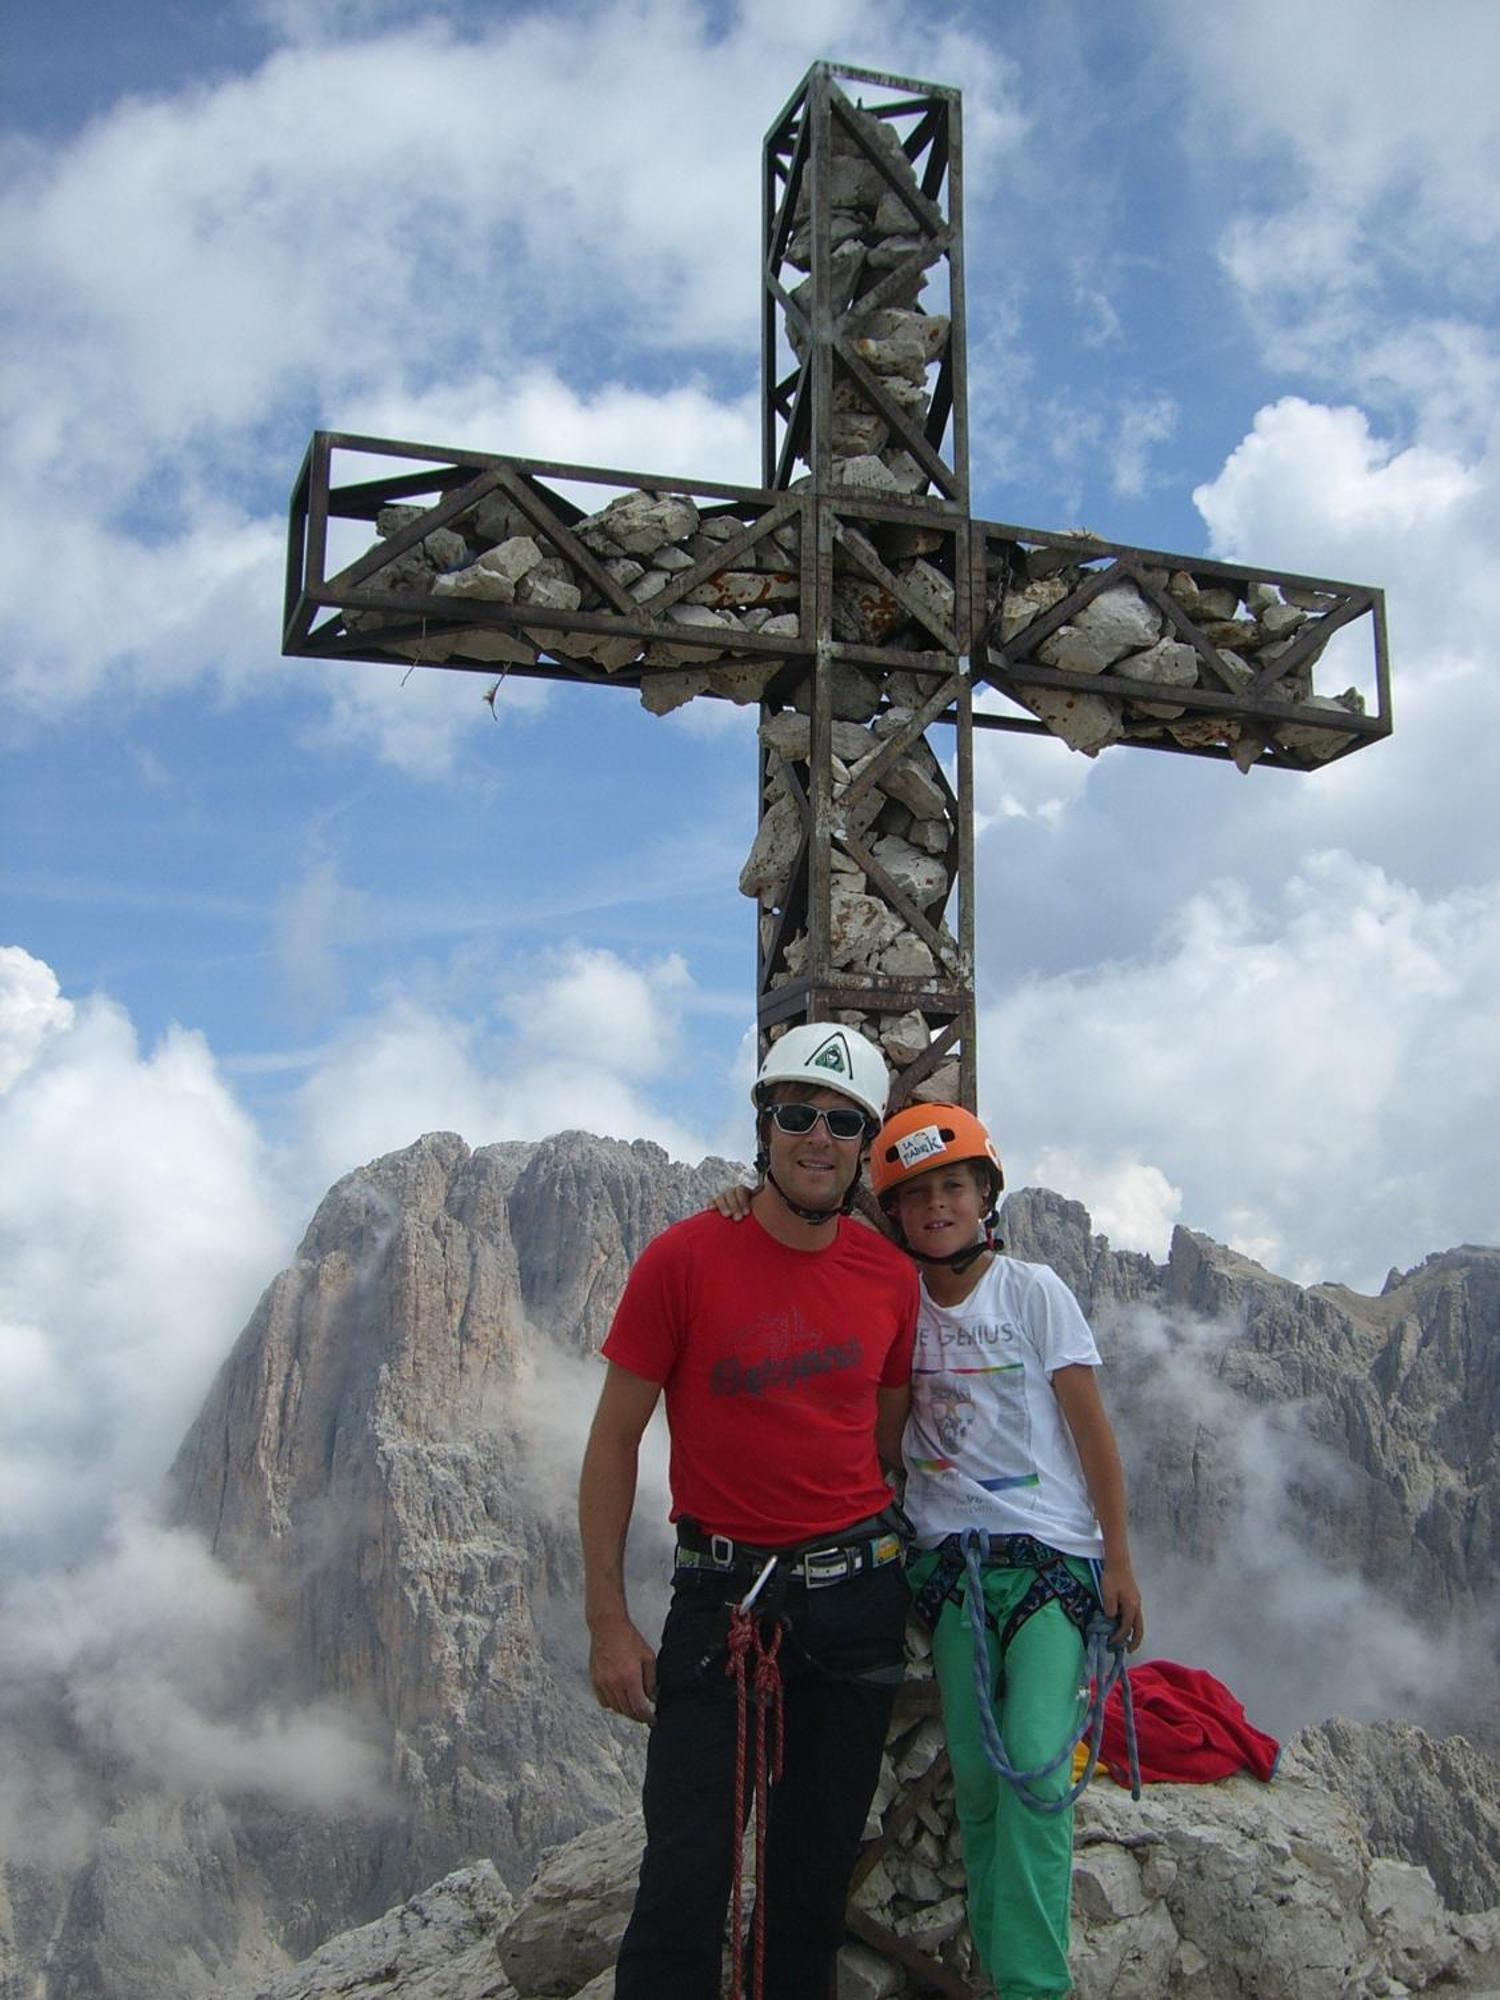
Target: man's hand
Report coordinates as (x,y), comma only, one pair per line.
(622,1668)
(1120,1595)
(733,1202)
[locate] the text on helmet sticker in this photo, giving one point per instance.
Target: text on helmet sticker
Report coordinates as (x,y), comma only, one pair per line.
(832,1054)
(923,1144)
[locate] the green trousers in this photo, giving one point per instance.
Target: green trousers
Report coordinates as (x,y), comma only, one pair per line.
(1019,1863)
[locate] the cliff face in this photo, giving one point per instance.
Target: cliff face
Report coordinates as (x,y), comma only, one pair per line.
(1341,1454)
(389,1454)
(369,1456)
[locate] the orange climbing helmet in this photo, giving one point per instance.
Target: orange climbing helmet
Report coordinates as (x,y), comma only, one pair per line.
(920,1137)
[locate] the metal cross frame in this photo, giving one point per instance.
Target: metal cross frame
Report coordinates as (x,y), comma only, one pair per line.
(888,603)
(886,584)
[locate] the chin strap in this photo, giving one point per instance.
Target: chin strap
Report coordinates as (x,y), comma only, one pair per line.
(810,1214)
(844,1207)
(958,1261)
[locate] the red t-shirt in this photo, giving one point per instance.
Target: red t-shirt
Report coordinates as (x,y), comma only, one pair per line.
(770,1359)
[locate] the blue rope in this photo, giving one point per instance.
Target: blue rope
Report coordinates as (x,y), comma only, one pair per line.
(1105,1659)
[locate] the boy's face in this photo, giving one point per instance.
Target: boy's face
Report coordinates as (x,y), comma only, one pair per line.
(942,1210)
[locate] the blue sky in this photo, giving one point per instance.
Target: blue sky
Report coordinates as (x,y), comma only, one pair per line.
(1231,285)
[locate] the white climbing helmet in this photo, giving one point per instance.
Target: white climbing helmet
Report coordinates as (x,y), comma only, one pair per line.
(832,1056)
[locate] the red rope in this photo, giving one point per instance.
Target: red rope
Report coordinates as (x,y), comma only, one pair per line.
(746,1637)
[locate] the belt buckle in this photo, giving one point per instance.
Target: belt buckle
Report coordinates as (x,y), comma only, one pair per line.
(721,1551)
(823,1566)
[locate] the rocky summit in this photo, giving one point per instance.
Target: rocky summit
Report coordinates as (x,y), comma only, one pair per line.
(387,1461)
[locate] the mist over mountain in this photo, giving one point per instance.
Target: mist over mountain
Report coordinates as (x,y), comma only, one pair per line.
(348,1657)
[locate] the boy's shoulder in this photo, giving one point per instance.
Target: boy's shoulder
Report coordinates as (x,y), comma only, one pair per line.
(1018,1279)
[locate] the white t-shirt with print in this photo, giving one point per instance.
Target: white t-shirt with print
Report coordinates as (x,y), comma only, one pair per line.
(986,1444)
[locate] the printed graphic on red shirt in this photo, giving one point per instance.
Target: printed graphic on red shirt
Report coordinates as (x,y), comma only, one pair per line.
(778,1352)
(771,1361)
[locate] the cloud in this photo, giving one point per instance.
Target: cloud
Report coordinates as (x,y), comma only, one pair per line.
(1143,422)
(1325,1053)
(377,225)
(162,1661)
(32,1010)
(1314,488)
(136,1227)
(1364,150)
(1288,1630)
(579,1038)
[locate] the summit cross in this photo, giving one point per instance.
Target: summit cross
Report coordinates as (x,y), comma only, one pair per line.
(852,596)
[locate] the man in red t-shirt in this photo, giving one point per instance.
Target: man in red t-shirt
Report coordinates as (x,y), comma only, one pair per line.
(784,1352)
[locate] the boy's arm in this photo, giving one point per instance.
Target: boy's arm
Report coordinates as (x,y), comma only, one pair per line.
(1077,1392)
(622,1666)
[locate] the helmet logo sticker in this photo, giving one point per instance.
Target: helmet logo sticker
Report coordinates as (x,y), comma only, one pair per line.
(834,1055)
(925,1143)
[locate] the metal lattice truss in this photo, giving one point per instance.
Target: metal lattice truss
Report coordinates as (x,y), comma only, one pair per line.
(852,596)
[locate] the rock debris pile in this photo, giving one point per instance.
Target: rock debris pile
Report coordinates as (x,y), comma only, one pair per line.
(1199,1892)
(1202,632)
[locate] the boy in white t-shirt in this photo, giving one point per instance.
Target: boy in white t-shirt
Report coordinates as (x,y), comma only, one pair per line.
(1007,1435)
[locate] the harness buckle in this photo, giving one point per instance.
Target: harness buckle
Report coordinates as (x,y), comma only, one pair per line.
(823,1566)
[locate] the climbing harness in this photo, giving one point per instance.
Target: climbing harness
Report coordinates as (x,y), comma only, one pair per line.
(960,1557)
(747,1640)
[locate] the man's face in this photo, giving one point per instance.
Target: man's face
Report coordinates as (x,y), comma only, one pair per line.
(812,1168)
(942,1210)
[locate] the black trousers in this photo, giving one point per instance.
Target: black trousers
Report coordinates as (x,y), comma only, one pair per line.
(841,1663)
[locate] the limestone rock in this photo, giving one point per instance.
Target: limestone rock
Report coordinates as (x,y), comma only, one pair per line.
(922,876)
(639,524)
(778,840)
(1085,722)
(569,1923)
(439,1946)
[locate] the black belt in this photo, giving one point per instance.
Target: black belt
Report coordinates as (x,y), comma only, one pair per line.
(868,1545)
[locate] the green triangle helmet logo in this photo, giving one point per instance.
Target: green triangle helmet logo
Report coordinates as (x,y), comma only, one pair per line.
(832,1055)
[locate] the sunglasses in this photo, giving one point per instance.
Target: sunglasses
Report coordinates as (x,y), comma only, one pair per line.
(842,1120)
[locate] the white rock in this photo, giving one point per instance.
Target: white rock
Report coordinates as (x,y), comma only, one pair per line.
(922,876)
(1107,1884)
(746,587)
(666,689)
(931,835)
(913,781)
(639,523)
(941,1087)
(1321,744)
(864,1976)
(743,681)
(568,1926)
(931,589)
(859,925)
(855,693)
(1085,722)
(1171,663)
(439,1946)
(865,469)
(693,618)
(1278,619)
(858,433)
(909,957)
(778,839)
(1023,604)
(1119,621)
(1216,603)
(904,1037)
(548,592)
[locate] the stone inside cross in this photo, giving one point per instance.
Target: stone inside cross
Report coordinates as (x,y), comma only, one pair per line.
(1170,653)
